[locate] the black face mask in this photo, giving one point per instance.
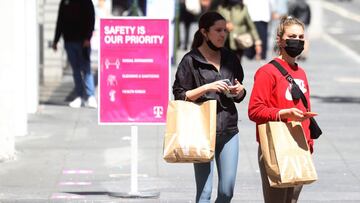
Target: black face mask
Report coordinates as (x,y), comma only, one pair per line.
(212,46)
(294,47)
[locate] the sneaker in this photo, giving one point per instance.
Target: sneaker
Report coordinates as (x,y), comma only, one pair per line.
(76,103)
(91,102)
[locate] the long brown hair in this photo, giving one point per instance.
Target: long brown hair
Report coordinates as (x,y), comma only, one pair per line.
(286,21)
(207,20)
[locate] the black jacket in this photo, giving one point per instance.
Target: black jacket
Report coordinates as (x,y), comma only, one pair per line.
(193,65)
(75,20)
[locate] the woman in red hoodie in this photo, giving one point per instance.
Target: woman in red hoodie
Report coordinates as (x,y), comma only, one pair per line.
(271,98)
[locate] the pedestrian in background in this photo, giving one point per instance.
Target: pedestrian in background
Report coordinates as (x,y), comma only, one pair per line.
(300,9)
(271,99)
(205,5)
(102,10)
(75,23)
(238,21)
(260,13)
(279,9)
(187,18)
(200,77)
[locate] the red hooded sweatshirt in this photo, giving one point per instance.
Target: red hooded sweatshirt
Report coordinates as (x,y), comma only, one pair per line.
(271,93)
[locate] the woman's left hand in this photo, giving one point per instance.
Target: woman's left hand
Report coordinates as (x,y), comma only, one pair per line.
(229,26)
(237,89)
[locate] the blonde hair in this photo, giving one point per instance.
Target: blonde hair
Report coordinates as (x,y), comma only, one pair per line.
(286,21)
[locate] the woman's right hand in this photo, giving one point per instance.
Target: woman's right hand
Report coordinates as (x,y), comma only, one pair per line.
(217,86)
(293,114)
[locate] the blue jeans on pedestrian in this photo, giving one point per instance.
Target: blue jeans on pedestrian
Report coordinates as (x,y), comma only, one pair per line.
(226,157)
(79,58)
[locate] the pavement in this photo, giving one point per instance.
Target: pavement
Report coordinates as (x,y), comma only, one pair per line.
(68,157)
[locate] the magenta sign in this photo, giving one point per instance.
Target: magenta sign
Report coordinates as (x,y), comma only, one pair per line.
(134,70)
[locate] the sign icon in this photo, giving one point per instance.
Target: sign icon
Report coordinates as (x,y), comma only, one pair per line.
(109,63)
(158,111)
(112,95)
(111,80)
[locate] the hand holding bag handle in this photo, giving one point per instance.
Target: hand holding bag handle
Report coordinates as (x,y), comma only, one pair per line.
(315,130)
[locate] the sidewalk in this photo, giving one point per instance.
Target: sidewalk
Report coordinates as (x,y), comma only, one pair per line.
(67,157)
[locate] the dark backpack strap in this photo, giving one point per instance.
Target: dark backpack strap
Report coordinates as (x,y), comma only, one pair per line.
(303,99)
(279,67)
(290,79)
(283,71)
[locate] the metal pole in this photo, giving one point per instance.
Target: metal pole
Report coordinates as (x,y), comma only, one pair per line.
(134,193)
(134,159)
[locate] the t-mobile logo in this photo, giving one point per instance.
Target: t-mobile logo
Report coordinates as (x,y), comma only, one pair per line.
(158,111)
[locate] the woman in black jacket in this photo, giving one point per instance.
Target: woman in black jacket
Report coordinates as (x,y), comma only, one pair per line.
(201,76)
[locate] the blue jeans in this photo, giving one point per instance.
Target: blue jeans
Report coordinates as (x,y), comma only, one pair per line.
(79,58)
(226,157)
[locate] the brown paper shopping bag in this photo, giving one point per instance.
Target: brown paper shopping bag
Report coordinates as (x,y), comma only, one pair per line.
(286,154)
(190,132)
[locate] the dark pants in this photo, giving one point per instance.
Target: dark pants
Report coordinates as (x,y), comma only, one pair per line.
(276,195)
(79,58)
(262,29)
(187,18)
